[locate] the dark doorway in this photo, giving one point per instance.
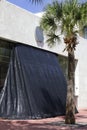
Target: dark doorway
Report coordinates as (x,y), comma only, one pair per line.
(5,51)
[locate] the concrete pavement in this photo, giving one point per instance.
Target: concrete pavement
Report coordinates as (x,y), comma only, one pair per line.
(56,123)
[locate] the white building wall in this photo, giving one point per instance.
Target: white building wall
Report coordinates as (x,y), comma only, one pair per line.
(19,25)
(82,72)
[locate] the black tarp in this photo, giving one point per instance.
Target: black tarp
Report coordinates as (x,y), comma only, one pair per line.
(35,86)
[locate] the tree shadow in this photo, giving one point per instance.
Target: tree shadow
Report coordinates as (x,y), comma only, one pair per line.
(81,116)
(24,125)
(28,125)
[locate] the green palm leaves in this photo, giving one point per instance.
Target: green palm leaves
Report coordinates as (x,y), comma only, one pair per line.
(35,1)
(66,17)
(50,22)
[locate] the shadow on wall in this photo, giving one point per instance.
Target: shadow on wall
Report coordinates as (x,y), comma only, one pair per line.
(39,36)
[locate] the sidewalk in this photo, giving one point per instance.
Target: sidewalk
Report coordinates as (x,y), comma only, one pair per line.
(46,124)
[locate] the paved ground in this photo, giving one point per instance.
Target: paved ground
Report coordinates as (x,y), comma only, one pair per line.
(46,124)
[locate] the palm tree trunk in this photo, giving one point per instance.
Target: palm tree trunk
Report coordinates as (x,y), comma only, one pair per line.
(70,102)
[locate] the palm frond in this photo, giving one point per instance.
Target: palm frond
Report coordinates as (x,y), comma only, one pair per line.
(83,11)
(70,15)
(36,1)
(48,22)
(52,38)
(54,9)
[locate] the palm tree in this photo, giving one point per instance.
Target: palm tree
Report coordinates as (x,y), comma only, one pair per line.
(69,16)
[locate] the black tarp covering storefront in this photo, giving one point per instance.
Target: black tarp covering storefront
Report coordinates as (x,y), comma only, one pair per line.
(34,87)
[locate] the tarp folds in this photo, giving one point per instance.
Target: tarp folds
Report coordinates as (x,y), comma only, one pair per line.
(34,87)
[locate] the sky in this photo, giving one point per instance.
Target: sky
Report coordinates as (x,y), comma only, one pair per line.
(26,4)
(32,7)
